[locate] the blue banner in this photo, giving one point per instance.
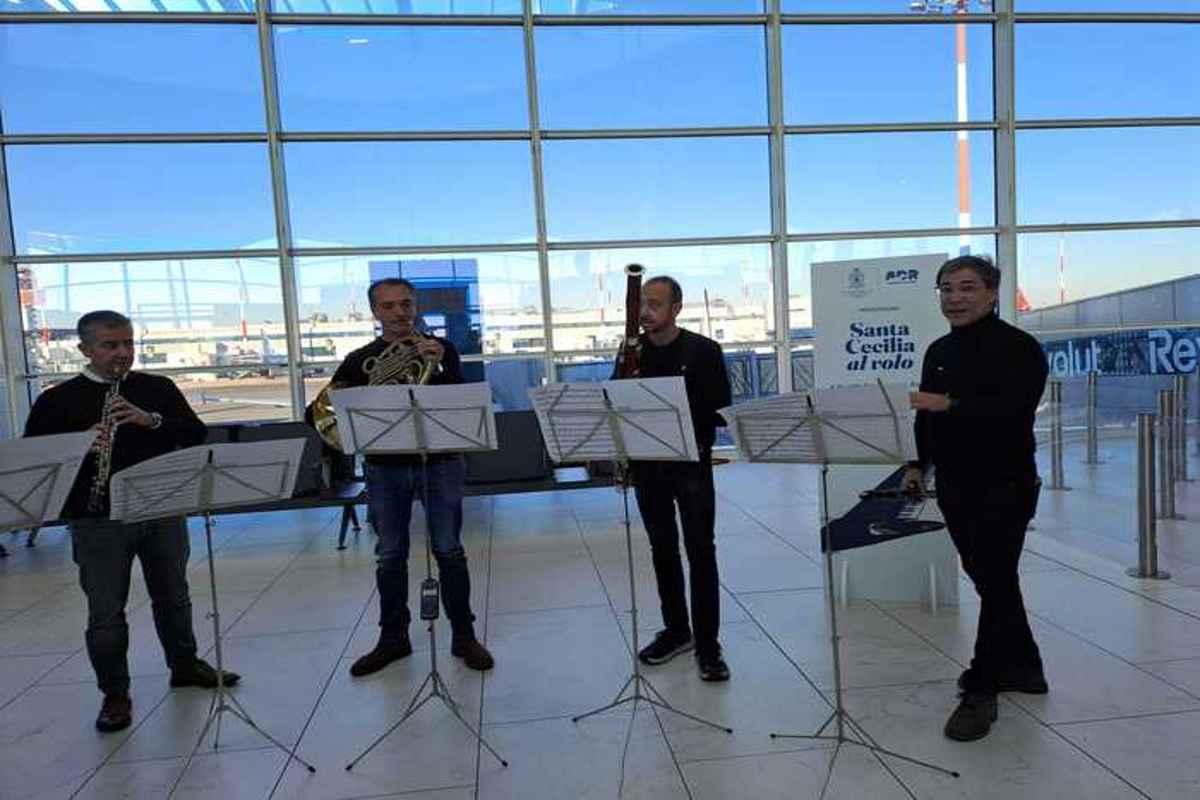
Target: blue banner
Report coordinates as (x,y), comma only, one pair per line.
(1159,351)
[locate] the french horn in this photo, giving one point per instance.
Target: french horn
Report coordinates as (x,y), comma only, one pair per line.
(398,363)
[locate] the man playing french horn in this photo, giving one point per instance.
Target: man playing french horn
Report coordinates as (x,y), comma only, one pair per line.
(403,355)
(137,417)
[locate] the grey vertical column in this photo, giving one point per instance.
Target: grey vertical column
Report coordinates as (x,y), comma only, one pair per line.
(539,186)
(1181,437)
(1147,566)
(1004,56)
(779,247)
(1166,455)
(1093,434)
(1056,438)
(12,329)
(283,220)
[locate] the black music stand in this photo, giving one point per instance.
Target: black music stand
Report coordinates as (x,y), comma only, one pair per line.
(394,420)
(201,480)
(851,426)
(644,419)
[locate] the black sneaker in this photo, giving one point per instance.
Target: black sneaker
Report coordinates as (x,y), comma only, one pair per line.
(973,718)
(712,667)
(1029,680)
(666,645)
(383,654)
(201,673)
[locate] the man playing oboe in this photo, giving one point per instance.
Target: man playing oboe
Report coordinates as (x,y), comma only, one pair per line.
(138,416)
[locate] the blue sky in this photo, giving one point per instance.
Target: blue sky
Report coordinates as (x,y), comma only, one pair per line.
(197,78)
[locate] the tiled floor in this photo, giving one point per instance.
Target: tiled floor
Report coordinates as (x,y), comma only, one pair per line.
(551,590)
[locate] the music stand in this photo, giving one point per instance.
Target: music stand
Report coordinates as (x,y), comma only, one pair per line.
(645,419)
(34,485)
(395,420)
(845,425)
(198,481)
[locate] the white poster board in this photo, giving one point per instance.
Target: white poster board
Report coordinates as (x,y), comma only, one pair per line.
(873,320)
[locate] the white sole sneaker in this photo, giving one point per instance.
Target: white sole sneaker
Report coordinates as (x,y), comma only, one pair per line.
(678,650)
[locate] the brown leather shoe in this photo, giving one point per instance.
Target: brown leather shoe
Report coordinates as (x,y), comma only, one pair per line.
(201,673)
(116,713)
(473,653)
(383,654)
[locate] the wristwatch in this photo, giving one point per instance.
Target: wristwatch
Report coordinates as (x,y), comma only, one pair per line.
(952,403)
(156,420)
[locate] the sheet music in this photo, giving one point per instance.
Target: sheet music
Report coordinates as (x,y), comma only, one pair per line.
(254,472)
(164,486)
(654,418)
(455,418)
(870,424)
(188,481)
(862,421)
(773,429)
(36,475)
(644,419)
(574,421)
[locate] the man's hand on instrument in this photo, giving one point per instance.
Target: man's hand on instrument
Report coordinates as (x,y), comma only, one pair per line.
(913,482)
(431,350)
(929,401)
(126,412)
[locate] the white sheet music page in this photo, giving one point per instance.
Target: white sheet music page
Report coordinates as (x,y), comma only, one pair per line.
(164,486)
(254,472)
(775,428)
(574,421)
(654,418)
(36,475)
(456,418)
(867,424)
(383,420)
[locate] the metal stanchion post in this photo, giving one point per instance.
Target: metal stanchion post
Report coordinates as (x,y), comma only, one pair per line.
(1181,411)
(1056,437)
(1166,454)
(1093,435)
(1147,566)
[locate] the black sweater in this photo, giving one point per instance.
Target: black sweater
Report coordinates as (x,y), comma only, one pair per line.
(350,373)
(702,364)
(76,405)
(996,374)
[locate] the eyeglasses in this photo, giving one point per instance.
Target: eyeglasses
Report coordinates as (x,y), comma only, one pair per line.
(970,289)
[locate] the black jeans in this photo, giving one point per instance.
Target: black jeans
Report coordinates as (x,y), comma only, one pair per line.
(392,489)
(988,526)
(660,486)
(104,551)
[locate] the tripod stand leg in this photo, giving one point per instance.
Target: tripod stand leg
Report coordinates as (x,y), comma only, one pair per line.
(673,710)
(478,735)
(413,707)
(829,773)
(604,708)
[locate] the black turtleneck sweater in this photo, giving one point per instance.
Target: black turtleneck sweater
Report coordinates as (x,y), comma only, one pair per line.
(995,373)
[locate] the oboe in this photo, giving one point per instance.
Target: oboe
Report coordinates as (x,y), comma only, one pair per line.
(108,432)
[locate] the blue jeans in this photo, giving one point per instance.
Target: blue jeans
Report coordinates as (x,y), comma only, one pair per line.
(104,551)
(392,489)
